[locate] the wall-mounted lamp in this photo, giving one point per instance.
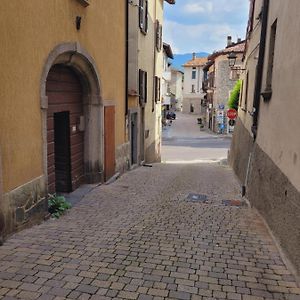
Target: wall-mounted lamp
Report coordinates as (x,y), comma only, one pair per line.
(232,61)
(78,22)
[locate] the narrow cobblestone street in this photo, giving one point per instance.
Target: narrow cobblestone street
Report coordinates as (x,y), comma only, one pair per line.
(140,238)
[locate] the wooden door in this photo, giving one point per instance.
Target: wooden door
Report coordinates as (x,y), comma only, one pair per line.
(109,142)
(63,182)
(64,92)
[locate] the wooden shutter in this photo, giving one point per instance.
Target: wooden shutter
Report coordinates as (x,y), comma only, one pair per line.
(141,14)
(157,89)
(146,17)
(143,87)
(158,36)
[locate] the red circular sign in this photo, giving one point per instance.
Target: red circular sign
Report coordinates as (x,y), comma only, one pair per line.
(231,114)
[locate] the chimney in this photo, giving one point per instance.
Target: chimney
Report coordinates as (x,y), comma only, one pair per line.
(229,40)
(239,40)
(194,55)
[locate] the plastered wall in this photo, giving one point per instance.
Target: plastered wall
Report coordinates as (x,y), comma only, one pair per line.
(29,30)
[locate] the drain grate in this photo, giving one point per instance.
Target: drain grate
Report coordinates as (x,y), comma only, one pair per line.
(237,203)
(192,197)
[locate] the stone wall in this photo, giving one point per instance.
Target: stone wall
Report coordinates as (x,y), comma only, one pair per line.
(240,149)
(24,206)
(269,190)
(223,83)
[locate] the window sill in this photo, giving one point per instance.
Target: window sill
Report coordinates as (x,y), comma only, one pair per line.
(267,94)
(143,31)
(84,3)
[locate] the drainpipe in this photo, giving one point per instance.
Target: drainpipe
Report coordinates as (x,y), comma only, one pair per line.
(259,67)
(126,57)
(258,84)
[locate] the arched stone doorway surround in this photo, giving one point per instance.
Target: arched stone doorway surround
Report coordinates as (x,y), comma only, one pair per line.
(74,56)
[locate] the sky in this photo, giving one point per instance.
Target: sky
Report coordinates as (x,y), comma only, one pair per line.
(203,25)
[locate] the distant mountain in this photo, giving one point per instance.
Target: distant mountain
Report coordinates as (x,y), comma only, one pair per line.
(180,59)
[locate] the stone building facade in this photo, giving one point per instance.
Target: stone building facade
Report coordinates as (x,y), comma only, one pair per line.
(166,81)
(193,95)
(265,149)
(145,71)
(222,80)
(176,87)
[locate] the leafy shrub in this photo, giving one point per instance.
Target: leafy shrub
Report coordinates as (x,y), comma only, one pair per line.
(233,101)
(57,205)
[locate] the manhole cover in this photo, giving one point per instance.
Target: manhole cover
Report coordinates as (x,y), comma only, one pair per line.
(233,203)
(196,197)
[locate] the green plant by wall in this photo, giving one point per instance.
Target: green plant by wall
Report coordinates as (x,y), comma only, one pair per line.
(57,205)
(233,101)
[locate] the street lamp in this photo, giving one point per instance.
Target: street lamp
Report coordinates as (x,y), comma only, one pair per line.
(232,59)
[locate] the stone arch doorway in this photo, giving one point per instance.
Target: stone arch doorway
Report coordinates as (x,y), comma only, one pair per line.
(65,130)
(71,101)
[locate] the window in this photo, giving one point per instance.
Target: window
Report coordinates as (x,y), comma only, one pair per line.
(271,56)
(194,73)
(143,15)
(157,85)
(158,36)
(143,87)
(193,88)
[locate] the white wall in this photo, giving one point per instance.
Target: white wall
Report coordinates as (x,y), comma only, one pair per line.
(189,97)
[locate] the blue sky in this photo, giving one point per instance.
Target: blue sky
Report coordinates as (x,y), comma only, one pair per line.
(203,25)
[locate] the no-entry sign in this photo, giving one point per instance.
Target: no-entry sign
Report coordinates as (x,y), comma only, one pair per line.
(231,114)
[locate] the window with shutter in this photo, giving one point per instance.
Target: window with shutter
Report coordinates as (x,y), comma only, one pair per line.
(143,87)
(143,15)
(158,36)
(271,55)
(146,16)
(157,89)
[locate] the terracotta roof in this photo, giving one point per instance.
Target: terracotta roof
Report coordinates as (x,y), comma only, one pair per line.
(236,48)
(198,61)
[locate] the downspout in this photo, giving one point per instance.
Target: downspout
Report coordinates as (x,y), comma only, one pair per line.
(258,85)
(259,67)
(126,57)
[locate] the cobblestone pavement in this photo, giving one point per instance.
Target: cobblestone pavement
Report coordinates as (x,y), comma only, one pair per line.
(139,238)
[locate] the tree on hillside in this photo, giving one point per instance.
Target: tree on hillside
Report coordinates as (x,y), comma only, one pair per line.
(233,101)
